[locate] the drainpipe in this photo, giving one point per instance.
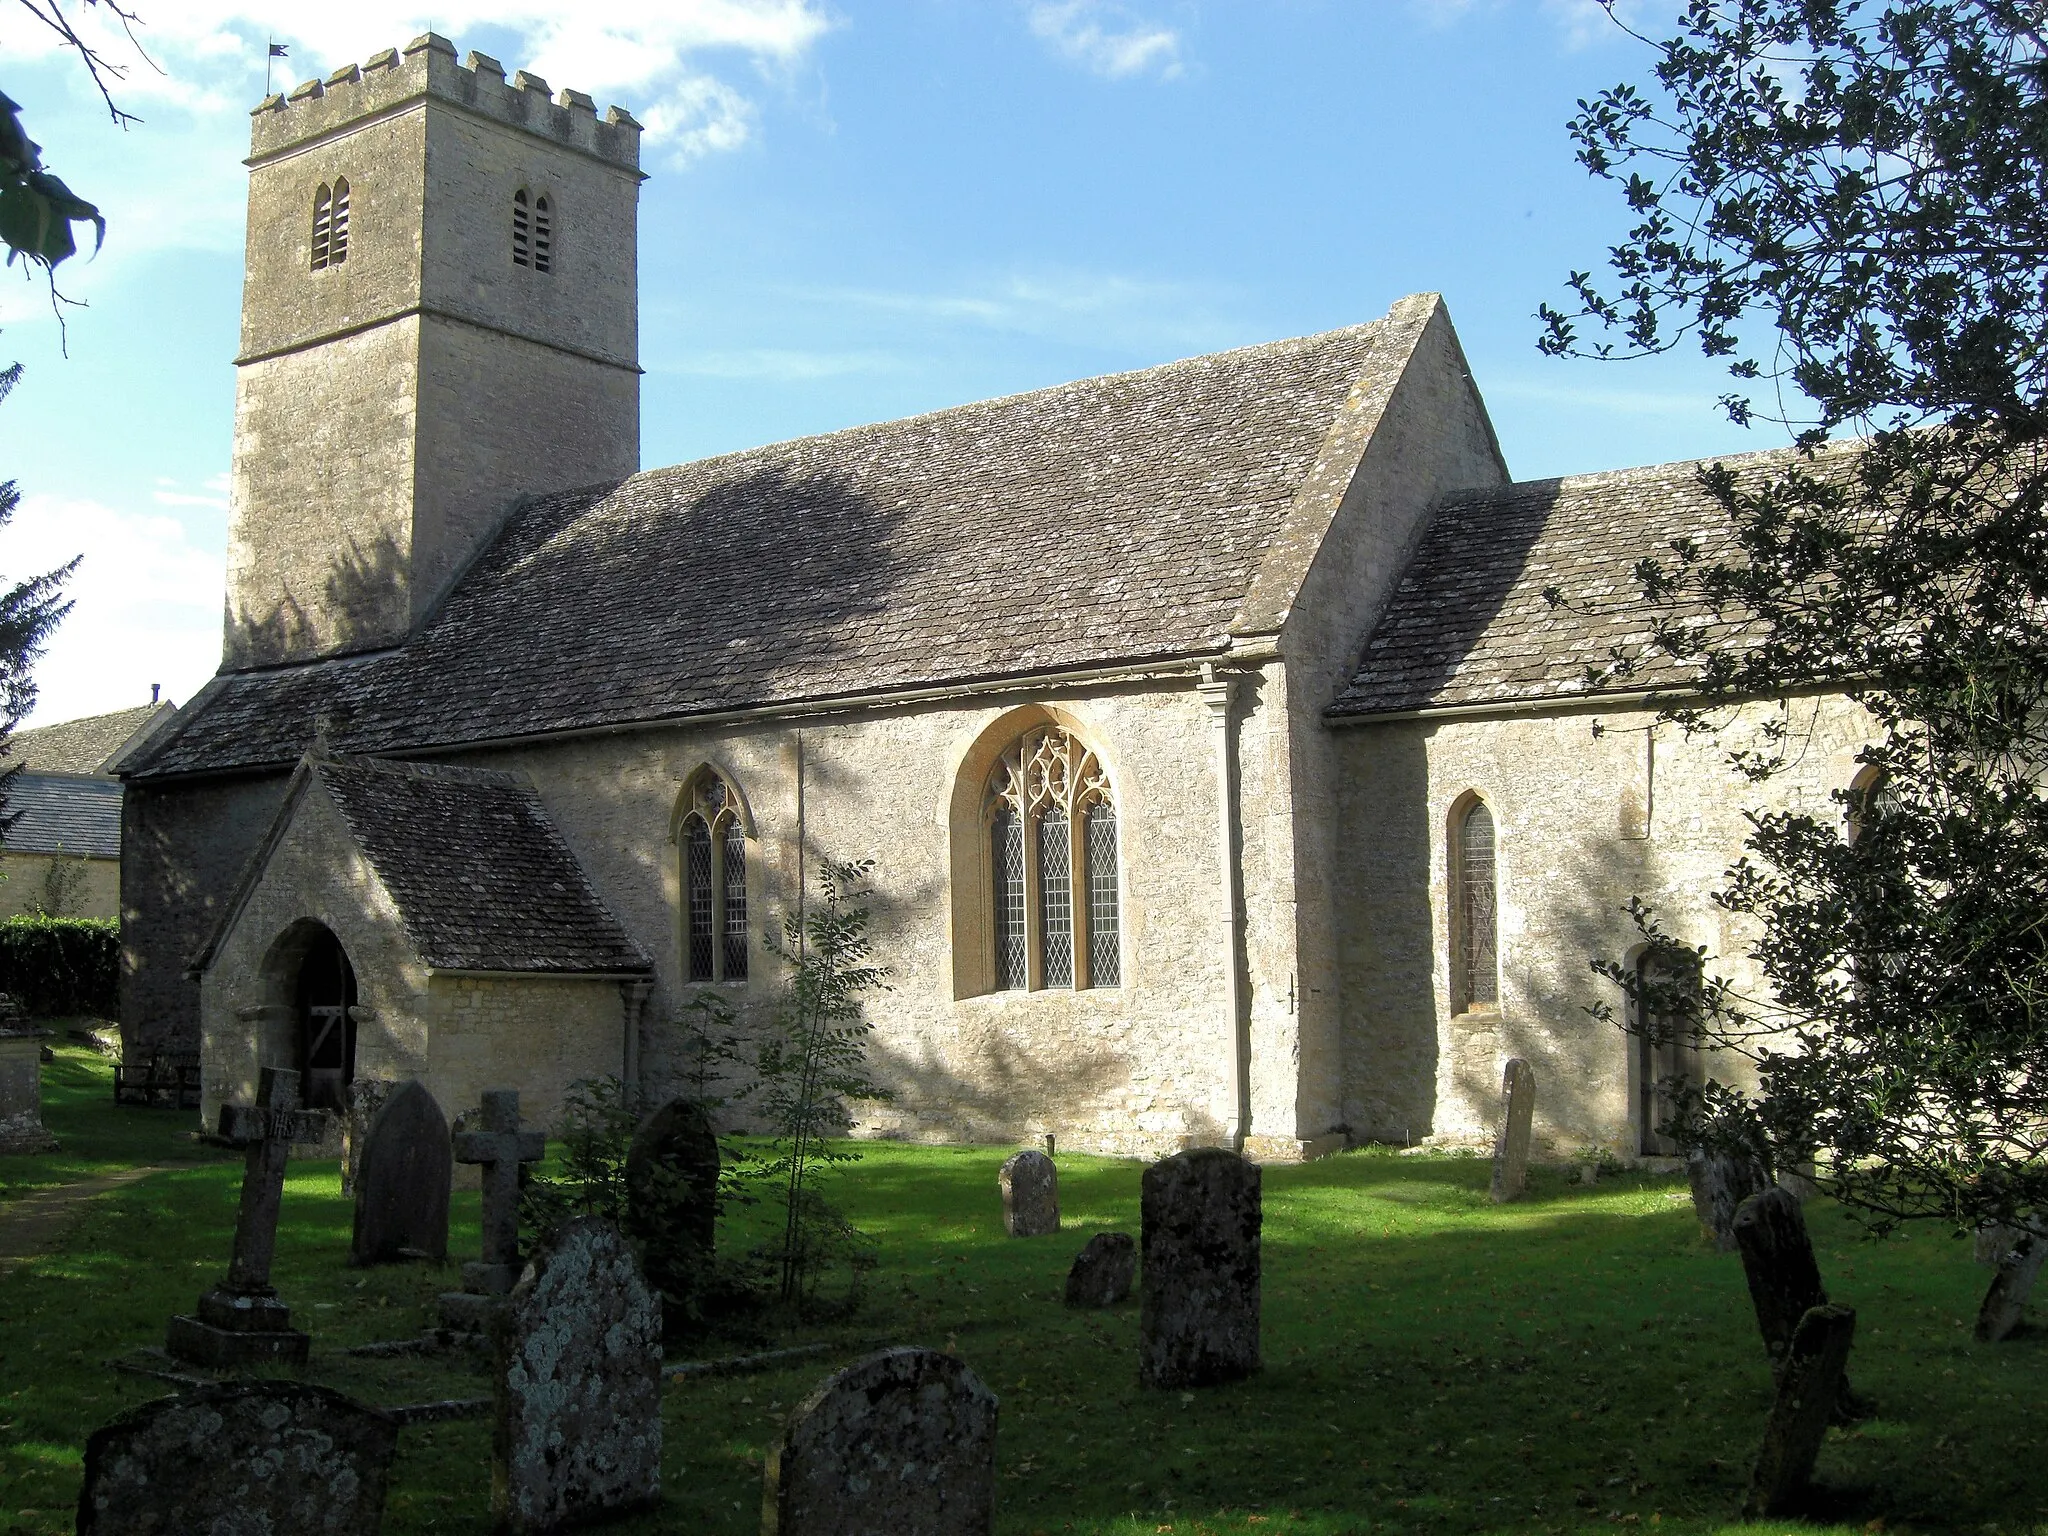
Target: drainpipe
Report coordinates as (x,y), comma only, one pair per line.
(1217,690)
(633,995)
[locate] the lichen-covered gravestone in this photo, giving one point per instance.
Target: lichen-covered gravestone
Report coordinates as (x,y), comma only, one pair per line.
(1511,1136)
(402,1182)
(902,1442)
(1199,1302)
(1102,1271)
(672,1196)
(2019,1266)
(1784,1278)
(267,1458)
(1031,1194)
(1811,1379)
(578,1426)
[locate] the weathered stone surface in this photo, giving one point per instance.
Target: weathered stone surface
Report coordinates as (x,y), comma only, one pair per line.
(1031,1194)
(902,1442)
(1812,1378)
(1720,1183)
(1199,1317)
(366,1096)
(260,1458)
(1103,1271)
(1992,1243)
(672,1194)
(1783,1276)
(21,1089)
(578,1427)
(500,1146)
(2004,1303)
(403,1183)
(1511,1136)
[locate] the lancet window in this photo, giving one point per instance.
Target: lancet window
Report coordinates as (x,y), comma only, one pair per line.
(330,224)
(1051,819)
(533,233)
(713,847)
(1475,906)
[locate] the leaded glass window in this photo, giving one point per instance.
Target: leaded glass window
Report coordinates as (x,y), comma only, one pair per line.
(1053,864)
(712,843)
(1475,920)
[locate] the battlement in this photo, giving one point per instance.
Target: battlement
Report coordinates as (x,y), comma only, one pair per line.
(427,67)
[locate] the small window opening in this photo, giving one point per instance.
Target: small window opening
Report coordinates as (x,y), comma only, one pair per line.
(533,243)
(543,243)
(330,225)
(522,230)
(716,938)
(1475,959)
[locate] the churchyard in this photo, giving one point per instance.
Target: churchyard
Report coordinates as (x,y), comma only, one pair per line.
(1577,1360)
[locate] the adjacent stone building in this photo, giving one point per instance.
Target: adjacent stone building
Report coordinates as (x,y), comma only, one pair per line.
(1227,777)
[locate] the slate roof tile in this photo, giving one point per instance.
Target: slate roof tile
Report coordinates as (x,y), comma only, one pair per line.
(68,813)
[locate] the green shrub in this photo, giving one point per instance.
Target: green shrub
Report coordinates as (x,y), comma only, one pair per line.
(57,966)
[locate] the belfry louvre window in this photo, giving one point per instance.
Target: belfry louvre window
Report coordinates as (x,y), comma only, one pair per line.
(330,224)
(533,235)
(1475,902)
(712,846)
(1051,820)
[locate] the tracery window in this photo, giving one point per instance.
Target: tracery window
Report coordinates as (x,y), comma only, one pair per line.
(1051,819)
(1475,907)
(330,224)
(712,844)
(533,243)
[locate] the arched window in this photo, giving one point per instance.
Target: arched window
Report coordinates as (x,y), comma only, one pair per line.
(1668,1058)
(330,224)
(533,243)
(1475,907)
(1871,795)
(712,845)
(1051,820)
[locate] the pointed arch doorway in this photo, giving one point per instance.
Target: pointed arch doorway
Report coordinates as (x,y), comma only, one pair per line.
(325,1025)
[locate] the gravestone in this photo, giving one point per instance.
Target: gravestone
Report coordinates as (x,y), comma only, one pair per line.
(1102,1272)
(1992,1243)
(267,1458)
(500,1146)
(1784,1277)
(903,1442)
(578,1426)
(672,1196)
(240,1321)
(402,1184)
(21,1083)
(1720,1182)
(1813,1378)
(1031,1194)
(2018,1268)
(1511,1137)
(1199,1301)
(363,1098)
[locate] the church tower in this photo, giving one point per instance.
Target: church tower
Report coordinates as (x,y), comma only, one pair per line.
(439,317)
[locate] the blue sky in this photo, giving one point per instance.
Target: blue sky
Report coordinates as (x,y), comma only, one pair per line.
(857,209)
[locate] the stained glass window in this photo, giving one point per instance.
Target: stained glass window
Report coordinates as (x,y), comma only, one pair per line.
(1477,923)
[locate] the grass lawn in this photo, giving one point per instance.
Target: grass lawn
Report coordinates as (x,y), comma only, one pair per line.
(1433,1363)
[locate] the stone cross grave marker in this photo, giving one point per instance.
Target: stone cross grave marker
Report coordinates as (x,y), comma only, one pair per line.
(1720,1182)
(2019,1265)
(1198,1318)
(578,1426)
(1511,1137)
(903,1441)
(241,1321)
(500,1146)
(1809,1385)
(1102,1271)
(1783,1276)
(282,1458)
(403,1181)
(1031,1194)
(672,1195)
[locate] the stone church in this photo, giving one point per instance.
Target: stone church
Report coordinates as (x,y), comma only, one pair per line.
(1228,777)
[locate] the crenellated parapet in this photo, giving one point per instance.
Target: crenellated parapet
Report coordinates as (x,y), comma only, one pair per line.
(427,66)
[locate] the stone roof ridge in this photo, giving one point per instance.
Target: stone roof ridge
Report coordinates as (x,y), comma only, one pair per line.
(412,768)
(1594,479)
(90,744)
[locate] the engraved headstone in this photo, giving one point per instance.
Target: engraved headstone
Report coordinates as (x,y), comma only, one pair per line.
(903,1441)
(241,1321)
(363,1098)
(1511,1136)
(402,1185)
(2019,1266)
(1812,1379)
(1031,1194)
(1102,1272)
(500,1146)
(672,1195)
(269,1458)
(1720,1182)
(1199,1300)
(1784,1277)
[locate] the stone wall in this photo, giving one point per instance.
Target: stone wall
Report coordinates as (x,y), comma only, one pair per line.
(1590,807)
(23,877)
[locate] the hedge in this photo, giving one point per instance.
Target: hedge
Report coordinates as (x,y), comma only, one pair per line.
(58,966)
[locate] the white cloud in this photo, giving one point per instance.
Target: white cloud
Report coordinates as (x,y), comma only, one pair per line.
(1584,23)
(789,365)
(1107,38)
(1104,308)
(146,602)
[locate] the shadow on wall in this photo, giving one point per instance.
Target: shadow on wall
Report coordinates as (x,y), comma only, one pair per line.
(366,603)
